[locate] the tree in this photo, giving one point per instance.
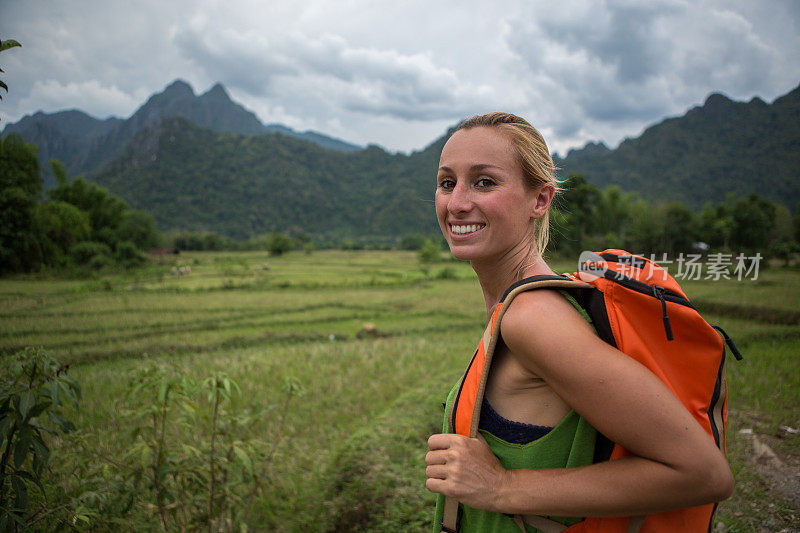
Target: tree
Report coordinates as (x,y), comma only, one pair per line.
(783,250)
(189,241)
(783,229)
(20,165)
(412,241)
(77,213)
(715,225)
(106,211)
(796,222)
(139,228)
(656,229)
(62,225)
(753,220)
(128,255)
(679,231)
(279,243)
(576,207)
(20,186)
(644,234)
(612,211)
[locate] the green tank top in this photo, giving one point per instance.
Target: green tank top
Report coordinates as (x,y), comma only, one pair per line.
(569,444)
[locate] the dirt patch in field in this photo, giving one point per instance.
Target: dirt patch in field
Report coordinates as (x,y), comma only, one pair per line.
(780,470)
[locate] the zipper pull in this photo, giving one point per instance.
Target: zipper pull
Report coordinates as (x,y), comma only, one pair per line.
(729,342)
(658,292)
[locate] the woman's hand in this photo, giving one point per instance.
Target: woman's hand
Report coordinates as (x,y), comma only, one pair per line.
(465,469)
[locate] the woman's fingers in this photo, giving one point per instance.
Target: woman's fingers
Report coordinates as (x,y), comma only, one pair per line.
(436,471)
(435,458)
(443,441)
(436,485)
(462,467)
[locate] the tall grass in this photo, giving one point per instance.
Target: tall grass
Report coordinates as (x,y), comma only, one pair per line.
(350,454)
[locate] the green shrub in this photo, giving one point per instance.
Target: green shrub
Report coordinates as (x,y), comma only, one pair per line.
(83,252)
(193,459)
(99,262)
(430,252)
(32,384)
(138,227)
(350,244)
(414,241)
(446,273)
(279,244)
(128,255)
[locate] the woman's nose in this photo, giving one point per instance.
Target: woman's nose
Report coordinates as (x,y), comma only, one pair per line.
(460,200)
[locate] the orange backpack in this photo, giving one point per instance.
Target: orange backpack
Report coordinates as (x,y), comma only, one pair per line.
(637,307)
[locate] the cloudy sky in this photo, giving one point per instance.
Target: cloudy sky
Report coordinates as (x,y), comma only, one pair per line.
(399,73)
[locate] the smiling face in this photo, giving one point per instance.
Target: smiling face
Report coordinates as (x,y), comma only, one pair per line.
(484,208)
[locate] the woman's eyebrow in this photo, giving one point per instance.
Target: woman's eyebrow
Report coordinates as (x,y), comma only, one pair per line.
(484,166)
(473,168)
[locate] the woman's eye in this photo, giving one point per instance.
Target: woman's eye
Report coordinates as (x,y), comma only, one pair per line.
(484,182)
(446,184)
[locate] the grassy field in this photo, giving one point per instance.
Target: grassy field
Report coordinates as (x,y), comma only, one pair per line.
(342,360)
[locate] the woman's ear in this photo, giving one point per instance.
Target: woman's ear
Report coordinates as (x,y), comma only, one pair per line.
(542,198)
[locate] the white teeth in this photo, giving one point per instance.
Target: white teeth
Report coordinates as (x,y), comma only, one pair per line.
(466,228)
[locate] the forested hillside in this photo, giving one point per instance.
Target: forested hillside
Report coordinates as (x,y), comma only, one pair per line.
(205,164)
(191,178)
(720,147)
(196,180)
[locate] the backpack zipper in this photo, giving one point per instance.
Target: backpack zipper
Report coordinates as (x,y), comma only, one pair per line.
(658,292)
(644,288)
(729,342)
(663,294)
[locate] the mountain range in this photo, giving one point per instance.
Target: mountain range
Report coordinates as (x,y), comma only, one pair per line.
(718,148)
(85,144)
(205,163)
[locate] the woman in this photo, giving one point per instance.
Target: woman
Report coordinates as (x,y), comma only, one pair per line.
(495,185)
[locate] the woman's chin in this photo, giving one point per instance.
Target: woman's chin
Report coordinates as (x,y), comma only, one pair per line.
(462,253)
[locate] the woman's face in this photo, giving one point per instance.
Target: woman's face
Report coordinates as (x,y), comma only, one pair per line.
(484,209)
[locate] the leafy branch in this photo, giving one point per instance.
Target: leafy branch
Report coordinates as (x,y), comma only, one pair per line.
(5,45)
(32,383)
(200,465)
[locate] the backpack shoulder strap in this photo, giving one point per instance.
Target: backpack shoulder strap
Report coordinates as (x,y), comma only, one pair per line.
(466,407)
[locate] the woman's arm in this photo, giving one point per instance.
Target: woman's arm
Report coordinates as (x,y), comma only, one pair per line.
(676,463)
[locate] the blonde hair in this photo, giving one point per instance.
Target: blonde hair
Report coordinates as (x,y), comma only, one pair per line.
(533,155)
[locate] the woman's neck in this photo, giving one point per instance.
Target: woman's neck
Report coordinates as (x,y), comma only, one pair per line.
(496,276)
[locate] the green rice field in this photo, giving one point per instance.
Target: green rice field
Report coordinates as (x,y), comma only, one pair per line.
(342,360)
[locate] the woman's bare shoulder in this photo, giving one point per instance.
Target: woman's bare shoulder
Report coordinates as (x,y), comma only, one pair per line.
(551,339)
(539,319)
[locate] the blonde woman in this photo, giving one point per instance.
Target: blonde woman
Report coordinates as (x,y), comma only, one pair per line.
(553,382)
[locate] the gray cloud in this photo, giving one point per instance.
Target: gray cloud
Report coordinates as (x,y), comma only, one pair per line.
(624,64)
(362,79)
(399,73)
(619,36)
(245,61)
